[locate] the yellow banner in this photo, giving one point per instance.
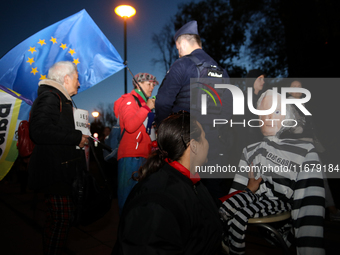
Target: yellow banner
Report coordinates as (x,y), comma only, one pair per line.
(12,111)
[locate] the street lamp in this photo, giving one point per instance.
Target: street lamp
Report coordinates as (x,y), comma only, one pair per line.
(125,11)
(95,114)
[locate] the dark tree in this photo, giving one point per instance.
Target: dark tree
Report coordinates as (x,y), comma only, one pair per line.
(266,45)
(221,34)
(106,118)
(97,127)
(165,44)
(312,37)
(294,38)
(106,114)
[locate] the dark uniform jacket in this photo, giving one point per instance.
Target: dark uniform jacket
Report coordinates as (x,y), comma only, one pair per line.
(52,166)
(174,92)
(167,214)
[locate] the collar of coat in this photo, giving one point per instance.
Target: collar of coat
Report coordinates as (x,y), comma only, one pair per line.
(56,85)
(183,170)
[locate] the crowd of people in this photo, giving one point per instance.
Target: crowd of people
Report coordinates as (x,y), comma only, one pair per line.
(164,205)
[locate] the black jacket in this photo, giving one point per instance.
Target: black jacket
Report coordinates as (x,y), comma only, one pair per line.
(167,214)
(174,92)
(52,166)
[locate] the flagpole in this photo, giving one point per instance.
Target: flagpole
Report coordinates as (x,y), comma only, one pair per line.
(125,54)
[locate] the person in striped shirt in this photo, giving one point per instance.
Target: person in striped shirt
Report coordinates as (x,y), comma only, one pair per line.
(274,176)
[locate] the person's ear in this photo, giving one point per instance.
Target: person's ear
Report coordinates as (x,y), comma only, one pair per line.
(185,44)
(193,146)
(66,79)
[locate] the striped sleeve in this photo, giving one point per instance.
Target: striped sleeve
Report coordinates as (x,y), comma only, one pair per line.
(240,179)
(308,209)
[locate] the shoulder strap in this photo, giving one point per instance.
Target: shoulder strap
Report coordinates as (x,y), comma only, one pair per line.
(140,105)
(195,59)
(201,64)
(121,135)
(137,100)
(197,62)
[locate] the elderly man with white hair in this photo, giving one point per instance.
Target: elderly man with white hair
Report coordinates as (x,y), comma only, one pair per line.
(276,178)
(53,164)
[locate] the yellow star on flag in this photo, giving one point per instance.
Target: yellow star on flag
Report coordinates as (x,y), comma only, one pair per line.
(54,40)
(71,52)
(42,77)
(34,70)
(41,42)
(30,60)
(32,49)
(76,61)
(63,46)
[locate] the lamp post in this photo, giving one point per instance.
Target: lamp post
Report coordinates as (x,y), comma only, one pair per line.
(125,11)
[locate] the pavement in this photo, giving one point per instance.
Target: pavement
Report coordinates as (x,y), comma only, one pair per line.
(21,227)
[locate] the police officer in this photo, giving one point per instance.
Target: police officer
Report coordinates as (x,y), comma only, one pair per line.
(174,95)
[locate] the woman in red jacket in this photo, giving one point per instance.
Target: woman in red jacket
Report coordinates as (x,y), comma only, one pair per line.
(133,110)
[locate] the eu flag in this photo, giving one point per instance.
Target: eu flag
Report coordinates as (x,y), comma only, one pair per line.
(77,39)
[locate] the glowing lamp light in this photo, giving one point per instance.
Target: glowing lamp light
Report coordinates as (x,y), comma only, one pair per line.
(125,11)
(95,135)
(95,114)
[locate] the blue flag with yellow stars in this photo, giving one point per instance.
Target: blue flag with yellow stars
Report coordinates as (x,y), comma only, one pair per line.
(77,39)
